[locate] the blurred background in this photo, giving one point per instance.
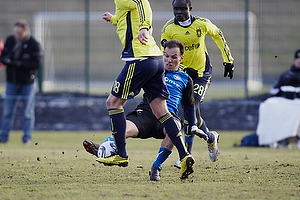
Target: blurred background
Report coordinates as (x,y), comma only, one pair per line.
(82,56)
(82,51)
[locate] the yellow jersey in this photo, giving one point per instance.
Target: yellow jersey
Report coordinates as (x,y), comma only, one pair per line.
(193,38)
(130,17)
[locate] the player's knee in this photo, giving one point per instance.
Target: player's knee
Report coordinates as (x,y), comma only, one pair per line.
(113,102)
(108,103)
(159,107)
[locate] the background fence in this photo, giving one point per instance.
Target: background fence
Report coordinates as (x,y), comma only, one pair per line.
(82,51)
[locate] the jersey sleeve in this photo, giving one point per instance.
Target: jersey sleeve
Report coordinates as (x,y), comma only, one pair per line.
(145,13)
(164,34)
(113,20)
(188,103)
(35,60)
(188,93)
(219,39)
(143,8)
(127,4)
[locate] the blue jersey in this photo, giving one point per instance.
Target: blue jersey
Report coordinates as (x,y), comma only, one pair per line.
(177,82)
(181,88)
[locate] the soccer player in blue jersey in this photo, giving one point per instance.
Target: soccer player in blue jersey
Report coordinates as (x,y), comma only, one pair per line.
(144,68)
(191,31)
(141,123)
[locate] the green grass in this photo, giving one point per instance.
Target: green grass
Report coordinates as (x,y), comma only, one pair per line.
(56,166)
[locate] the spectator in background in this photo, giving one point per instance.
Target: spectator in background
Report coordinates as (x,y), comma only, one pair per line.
(279,116)
(22,56)
(288,84)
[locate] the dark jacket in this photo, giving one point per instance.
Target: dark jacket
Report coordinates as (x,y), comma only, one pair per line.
(21,69)
(288,84)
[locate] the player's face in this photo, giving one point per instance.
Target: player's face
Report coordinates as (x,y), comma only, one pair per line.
(181,10)
(172,58)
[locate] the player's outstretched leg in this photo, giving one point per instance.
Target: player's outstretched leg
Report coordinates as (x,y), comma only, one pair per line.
(213,151)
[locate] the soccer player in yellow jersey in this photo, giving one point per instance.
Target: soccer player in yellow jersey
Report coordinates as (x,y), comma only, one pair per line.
(191,31)
(144,68)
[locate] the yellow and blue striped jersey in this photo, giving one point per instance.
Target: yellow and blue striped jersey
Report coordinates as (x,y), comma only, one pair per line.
(193,38)
(130,17)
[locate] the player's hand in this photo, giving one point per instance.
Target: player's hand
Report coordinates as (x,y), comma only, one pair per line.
(195,130)
(142,36)
(228,70)
(107,16)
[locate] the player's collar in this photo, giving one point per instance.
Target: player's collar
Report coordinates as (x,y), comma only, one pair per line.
(166,71)
(186,23)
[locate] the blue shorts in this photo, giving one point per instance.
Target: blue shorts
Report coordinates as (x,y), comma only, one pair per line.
(135,75)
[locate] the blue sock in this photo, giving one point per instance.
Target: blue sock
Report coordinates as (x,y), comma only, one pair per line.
(174,134)
(118,128)
(163,154)
(211,137)
(189,143)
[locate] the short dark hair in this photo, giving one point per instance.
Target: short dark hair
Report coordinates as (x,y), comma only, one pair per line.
(175,43)
(188,2)
(22,23)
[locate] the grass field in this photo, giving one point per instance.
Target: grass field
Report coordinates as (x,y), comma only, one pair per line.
(56,166)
